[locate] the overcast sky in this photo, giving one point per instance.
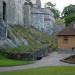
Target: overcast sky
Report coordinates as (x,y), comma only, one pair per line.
(60,4)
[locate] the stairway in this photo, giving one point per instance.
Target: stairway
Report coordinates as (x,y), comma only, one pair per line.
(3,29)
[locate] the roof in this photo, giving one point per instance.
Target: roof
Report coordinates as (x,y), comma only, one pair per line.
(68,31)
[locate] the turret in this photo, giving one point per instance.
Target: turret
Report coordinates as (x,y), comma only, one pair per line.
(27,14)
(38,3)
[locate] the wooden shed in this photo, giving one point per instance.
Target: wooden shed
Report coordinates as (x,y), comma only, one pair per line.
(66,37)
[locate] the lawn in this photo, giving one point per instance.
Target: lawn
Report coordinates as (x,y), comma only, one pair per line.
(11,62)
(43,71)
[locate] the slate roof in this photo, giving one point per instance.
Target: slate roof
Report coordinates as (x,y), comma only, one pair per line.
(68,31)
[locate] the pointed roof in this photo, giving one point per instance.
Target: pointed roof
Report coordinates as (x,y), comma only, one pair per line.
(68,31)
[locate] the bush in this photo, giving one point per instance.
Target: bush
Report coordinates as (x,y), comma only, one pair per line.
(15,55)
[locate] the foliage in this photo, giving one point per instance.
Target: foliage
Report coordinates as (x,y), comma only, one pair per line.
(29,2)
(70,18)
(56,13)
(69,14)
(58,70)
(60,21)
(51,6)
(68,10)
(35,38)
(54,44)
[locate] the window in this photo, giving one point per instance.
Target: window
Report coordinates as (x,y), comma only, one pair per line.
(4,11)
(66,39)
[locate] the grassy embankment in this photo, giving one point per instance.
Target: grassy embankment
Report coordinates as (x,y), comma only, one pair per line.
(35,38)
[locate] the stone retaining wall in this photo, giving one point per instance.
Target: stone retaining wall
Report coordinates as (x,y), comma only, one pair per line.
(39,53)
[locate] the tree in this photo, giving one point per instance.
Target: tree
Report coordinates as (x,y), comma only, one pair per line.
(51,6)
(69,14)
(29,2)
(56,13)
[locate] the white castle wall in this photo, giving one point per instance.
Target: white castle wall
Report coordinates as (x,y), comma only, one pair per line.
(19,13)
(14,11)
(38,21)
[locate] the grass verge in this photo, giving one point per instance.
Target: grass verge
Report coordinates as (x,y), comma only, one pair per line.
(11,62)
(61,70)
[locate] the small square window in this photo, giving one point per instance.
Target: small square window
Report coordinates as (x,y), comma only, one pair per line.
(66,39)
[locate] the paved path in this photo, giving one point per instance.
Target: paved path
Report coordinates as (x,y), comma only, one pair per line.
(52,60)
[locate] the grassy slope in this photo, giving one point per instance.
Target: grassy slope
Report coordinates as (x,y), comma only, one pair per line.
(32,35)
(43,71)
(11,62)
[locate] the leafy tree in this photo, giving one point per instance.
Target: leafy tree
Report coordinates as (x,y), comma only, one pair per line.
(69,14)
(60,21)
(56,13)
(29,2)
(51,6)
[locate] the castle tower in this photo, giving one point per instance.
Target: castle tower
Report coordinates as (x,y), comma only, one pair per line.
(27,14)
(38,3)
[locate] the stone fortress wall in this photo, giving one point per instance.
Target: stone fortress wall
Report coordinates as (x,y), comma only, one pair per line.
(19,13)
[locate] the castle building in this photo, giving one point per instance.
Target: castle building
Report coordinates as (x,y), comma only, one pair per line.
(20,12)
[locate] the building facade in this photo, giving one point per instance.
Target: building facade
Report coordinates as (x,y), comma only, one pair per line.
(20,12)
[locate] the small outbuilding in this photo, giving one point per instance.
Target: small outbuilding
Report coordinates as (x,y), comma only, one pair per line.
(66,38)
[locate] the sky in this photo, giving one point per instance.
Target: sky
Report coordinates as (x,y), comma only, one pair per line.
(60,4)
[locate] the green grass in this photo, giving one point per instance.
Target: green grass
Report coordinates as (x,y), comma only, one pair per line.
(43,71)
(11,62)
